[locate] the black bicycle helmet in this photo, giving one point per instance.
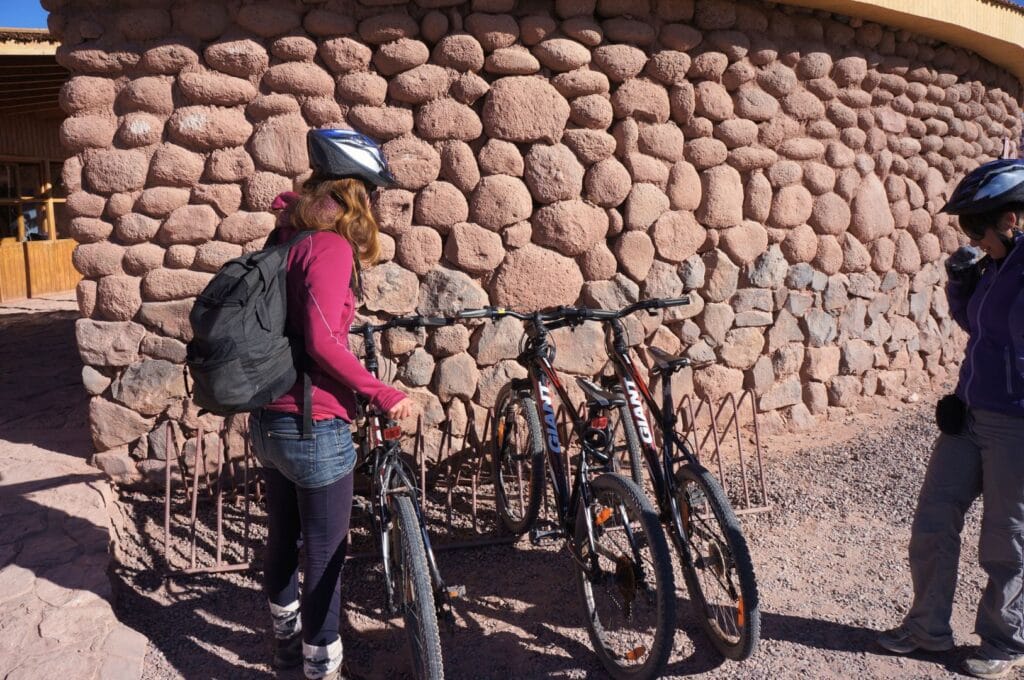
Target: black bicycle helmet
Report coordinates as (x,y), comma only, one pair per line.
(339,154)
(988,188)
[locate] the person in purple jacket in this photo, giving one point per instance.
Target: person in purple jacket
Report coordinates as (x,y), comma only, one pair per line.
(980,450)
(309,481)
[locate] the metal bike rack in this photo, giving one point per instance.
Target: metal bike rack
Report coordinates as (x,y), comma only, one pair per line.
(215,488)
(455,480)
(722,436)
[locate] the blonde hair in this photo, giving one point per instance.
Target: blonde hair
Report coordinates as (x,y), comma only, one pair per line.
(342,206)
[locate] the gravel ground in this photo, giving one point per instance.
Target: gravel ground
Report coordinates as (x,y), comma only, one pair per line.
(830,561)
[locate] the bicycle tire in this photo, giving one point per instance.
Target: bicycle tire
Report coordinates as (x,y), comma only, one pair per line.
(532,458)
(663,613)
(633,447)
(725,554)
(415,594)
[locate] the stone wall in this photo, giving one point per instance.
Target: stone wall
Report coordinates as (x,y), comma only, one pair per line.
(783,167)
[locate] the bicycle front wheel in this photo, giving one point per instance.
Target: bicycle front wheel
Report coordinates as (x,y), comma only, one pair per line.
(720,575)
(518,460)
(413,589)
(628,591)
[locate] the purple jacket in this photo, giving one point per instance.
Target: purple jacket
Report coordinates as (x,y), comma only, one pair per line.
(992,374)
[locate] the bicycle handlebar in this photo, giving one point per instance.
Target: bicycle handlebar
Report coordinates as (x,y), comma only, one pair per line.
(404,322)
(572,315)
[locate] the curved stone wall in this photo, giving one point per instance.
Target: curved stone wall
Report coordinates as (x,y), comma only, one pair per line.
(781,166)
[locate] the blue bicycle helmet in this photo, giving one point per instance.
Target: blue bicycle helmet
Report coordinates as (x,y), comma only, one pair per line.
(988,188)
(339,154)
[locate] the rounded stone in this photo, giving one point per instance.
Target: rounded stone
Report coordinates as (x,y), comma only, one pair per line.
(591,111)
(721,197)
(299,78)
(511,61)
(713,101)
(635,252)
(401,55)
(684,187)
(381,122)
(552,173)
(241,58)
(112,171)
(441,205)
(362,87)
(419,249)
(533,278)
(474,249)
(641,99)
(745,242)
(830,214)
(560,54)
(458,165)
(581,83)
(571,227)
(414,163)
(500,200)
(459,51)
(344,55)
(644,205)
(498,157)
(800,244)
(420,84)
(677,235)
(522,109)
(447,119)
(279,145)
(207,127)
(791,206)
(607,183)
(493,30)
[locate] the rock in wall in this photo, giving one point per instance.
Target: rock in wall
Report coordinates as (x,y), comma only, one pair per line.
(783,167)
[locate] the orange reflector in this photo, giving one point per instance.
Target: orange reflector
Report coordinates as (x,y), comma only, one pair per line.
(599,423)
(636,654)
(500,435)
(393,433)
(603,515)
(453,594)
(741,615)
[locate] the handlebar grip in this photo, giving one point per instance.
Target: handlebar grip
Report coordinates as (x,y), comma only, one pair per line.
(672,302)
(435,321)
(483,313)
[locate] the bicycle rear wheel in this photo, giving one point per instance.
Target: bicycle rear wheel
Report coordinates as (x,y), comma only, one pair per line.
(630,599)
(413,589)
(518,460)
(720,577)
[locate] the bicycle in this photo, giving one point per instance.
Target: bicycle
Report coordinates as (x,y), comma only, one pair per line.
(620,555)
(707,536)
(412,582)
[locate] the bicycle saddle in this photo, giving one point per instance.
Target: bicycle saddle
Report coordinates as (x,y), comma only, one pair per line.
(598,397)
(665,362)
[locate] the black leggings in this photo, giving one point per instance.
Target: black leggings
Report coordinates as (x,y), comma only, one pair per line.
(321,517)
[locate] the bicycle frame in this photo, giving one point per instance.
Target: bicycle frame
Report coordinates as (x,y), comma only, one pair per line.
(659,462)
(381,460)
(543,378)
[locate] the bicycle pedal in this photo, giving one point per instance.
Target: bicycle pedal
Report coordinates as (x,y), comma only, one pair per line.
(456,592)
(538,535)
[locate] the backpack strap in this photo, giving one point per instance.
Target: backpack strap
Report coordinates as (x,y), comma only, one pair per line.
(307,405)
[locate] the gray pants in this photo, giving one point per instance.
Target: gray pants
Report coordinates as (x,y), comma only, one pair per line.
(987,458)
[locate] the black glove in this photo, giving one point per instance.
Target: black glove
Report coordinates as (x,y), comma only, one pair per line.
(963,266)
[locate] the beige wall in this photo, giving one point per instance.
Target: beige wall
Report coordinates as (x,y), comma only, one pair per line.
(988,27)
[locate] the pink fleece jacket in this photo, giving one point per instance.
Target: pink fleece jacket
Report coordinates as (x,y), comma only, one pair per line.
(321,305)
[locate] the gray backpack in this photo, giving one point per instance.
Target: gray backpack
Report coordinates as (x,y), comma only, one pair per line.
(240,356)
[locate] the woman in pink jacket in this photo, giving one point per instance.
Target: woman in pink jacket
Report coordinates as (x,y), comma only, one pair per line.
(309,481)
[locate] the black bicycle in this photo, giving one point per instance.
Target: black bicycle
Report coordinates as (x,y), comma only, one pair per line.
(412,582)
(707,535)
(621,557)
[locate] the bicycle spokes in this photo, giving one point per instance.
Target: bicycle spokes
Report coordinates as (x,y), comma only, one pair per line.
(715,566)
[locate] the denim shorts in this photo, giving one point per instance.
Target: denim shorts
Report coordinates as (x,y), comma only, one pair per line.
(309,463)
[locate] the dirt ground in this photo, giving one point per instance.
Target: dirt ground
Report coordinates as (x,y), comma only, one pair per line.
(830,559)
